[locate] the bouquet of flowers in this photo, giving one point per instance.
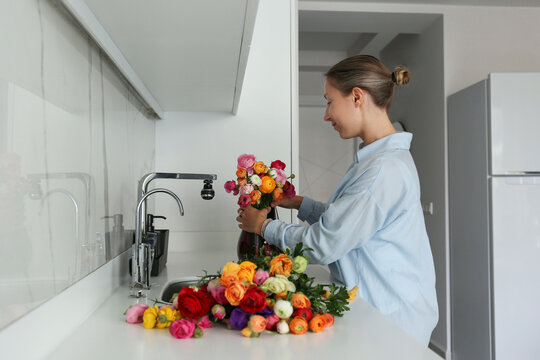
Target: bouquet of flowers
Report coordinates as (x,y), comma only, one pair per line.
(258,184)
(268,294)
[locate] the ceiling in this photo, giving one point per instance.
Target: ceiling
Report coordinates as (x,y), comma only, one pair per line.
(185,52)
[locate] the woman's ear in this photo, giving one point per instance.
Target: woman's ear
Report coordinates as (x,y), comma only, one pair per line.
(359,96)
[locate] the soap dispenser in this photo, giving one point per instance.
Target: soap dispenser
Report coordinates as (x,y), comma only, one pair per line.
(160,241)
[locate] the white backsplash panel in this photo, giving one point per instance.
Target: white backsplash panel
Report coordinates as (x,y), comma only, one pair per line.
(74,140)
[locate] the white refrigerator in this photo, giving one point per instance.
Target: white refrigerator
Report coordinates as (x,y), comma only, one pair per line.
(494,218)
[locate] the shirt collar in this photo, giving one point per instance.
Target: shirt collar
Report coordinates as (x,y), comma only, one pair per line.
(397,141)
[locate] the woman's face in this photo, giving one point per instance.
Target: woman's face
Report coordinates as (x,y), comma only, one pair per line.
(341,112)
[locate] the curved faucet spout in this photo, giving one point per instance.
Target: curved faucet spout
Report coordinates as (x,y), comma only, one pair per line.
(141,263)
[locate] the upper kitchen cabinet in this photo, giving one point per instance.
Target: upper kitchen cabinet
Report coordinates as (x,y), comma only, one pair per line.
(180,55)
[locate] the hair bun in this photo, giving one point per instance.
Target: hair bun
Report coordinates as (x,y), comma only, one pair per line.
(401,75)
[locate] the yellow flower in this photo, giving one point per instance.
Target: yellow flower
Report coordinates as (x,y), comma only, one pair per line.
(259,167)
(247,271)
(165,316)
(352,294)
(231,267)
(150,317)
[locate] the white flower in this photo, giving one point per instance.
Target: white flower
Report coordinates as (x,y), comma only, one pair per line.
(255,180)
(289,286)
(272,173)
(274,285)
(283,309)
(282,327)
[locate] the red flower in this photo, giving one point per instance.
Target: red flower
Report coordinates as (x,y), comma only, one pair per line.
(254,300)
(305,313)
(289,190)
(278,164)
(194,303)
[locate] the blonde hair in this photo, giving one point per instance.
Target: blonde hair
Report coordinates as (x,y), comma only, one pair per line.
(368,73)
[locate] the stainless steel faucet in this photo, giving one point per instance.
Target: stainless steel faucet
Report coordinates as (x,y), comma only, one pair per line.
(142,253)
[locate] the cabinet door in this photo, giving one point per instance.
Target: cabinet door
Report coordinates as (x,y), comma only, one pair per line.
(515,208)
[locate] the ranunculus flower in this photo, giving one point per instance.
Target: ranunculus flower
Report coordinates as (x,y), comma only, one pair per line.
(305,313)
(239,319)
(235,292)
(219,311)
(219,295)
(241,173)
(282,327)
(150,317)
(289,285)
(244,201)
(272,173)
(299,264)
(329,319)
(246,161)
(247,271)
(254,300)
(289,190)
(257,323)
(281,177)
(182,329)
(278,164)
(283,309)
(194,303)
(255,196)
(231,267)
(134,315)
(281,264)
(259,168)
(317,324)
(298,325)
(204,322)
(246,189)
(271,322)
(278,284)
(277,195)
(260,277)
(214,284)
(230,186)
(165,316)
(227,278)
(300,301)
(255,180)
(267,185)
(242,181)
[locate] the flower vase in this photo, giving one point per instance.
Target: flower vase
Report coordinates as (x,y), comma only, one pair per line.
(249,244)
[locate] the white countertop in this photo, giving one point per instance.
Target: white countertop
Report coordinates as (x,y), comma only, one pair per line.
(363,332)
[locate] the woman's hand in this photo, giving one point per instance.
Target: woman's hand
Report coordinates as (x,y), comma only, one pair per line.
(251,219)
(289,203)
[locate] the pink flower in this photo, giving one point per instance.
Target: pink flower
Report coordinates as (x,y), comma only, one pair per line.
(230,186)
(218,311)
(278,164)
(271,322)
(281,176)
(246,161)
(135,313)
(289,190)
(244,201)
(260,277)
(219,295)
(182,329)
(246,189)
(204,322)
(214,284)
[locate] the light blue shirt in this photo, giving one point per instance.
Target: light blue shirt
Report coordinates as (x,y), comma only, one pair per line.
(372,234)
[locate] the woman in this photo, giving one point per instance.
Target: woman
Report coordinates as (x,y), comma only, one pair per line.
(371,233)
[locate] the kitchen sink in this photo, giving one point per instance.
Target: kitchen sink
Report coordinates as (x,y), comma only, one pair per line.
(174,286)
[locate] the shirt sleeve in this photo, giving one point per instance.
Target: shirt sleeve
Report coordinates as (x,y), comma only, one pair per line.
(346,224)
(310,210)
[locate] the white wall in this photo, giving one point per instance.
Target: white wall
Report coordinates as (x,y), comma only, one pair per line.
(211,142)
(63,109)
(477,40)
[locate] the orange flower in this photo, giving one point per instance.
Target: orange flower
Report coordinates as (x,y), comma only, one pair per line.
(281,264)
(257,323)
(281,295)
(241,173)
(235,293)
(228,278)
(317,323)
(242,181)
(255,196)
(277,194)
(329,319)
(246,332)
(298,325)
(326,295)
(300,301)
(267,184)
(247,271)
(259,168)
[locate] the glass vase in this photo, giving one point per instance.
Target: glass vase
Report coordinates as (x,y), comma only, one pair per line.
(250,244)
